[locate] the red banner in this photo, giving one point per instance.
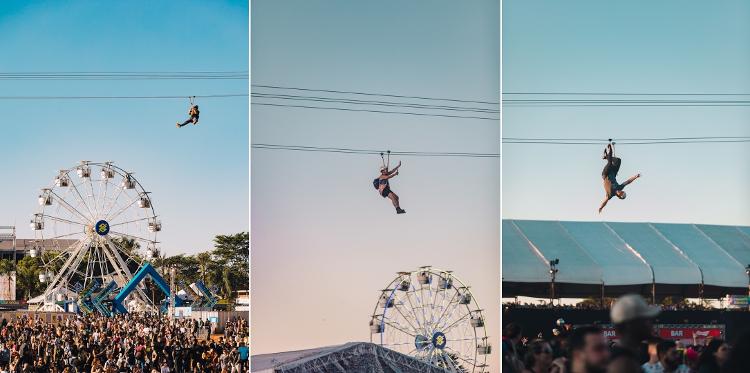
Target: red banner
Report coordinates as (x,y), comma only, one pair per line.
(677,332)
(609,333)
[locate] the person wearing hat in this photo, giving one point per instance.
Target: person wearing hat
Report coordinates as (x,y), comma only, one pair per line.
(384,187)
(632,318)
(609,175)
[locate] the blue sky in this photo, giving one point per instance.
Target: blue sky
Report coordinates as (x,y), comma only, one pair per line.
(198,175)
(324,241)
(634,46)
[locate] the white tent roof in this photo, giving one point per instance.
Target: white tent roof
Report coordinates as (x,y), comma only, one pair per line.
(349,357)
(617,254)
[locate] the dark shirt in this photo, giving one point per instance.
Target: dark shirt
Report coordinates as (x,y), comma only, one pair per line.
(620,352)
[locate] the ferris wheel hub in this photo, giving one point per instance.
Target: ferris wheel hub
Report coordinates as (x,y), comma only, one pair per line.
(439,340)
(102,228)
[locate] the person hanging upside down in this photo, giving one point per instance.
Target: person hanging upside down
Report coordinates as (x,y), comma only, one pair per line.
(609,175)
(194,114)
(384,187)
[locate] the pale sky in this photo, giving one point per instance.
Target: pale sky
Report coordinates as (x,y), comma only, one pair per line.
(324,242)
(634,46)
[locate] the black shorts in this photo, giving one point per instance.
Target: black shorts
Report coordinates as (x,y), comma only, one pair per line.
(386,191)
(611,168)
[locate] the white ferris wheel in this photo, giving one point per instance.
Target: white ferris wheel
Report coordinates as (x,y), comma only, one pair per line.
(96,224)
(431,315)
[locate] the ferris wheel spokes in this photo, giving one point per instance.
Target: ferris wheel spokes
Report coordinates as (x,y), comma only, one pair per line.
(70,208)
(430,314)
(86,218)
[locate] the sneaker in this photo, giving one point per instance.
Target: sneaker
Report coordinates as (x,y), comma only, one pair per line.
(400,211)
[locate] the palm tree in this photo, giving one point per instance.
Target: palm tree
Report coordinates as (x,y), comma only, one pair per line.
(204,266)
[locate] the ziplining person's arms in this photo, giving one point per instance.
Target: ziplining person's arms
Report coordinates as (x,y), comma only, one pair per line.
(604,203)
(395,169)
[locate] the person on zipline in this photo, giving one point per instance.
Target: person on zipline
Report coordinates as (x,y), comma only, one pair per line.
(609,176)
(194,114)
(384,187)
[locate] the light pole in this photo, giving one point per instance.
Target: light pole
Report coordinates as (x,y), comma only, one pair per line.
(172,290)
(552,272)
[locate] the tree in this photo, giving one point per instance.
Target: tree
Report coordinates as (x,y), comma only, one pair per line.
(232,253)
(7,267)
(27,277)
(234,249)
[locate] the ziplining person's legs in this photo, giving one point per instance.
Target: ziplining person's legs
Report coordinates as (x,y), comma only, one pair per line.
(609,176)
(385,189)
(394,198)
(193,120)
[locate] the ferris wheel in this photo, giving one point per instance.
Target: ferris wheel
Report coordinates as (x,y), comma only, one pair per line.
(431,315)
(95,225)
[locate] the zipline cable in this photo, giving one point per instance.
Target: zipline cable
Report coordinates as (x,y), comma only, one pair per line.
(370,151)
(626,94)
(632,141)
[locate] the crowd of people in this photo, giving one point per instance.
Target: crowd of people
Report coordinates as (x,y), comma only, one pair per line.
(683,306)
(585,349)
(133,343)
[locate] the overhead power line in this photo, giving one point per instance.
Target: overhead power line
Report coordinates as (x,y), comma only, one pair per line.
(375,94)
(371,151)
(375,111)
(195,75)
(373,102)
(221,95)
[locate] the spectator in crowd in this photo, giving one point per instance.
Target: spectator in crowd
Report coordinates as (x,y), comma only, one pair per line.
(588,352)
(670,358)
(131,343)
(653,365)
(560,340)
(632,318)
(714,356)
(691,359)
(739,359)
(510,349)
(538,357)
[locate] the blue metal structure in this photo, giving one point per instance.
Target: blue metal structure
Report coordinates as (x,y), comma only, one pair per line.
(146,270)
